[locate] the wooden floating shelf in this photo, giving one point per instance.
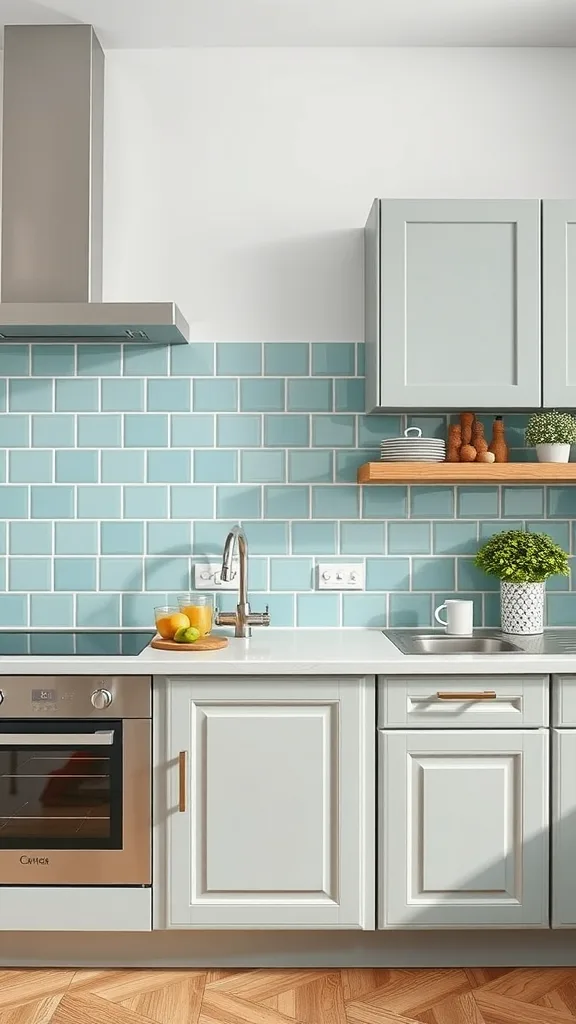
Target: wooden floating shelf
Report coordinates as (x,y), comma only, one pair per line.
(467,473)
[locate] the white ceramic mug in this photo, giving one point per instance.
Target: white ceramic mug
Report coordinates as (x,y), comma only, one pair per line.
(459,616)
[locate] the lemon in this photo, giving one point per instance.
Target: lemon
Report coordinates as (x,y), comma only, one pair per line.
(186,635)
(169,625)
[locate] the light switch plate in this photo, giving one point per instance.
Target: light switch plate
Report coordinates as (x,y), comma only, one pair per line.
(207,576)
(341,576)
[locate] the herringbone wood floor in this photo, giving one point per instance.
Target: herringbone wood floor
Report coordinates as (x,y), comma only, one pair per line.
(472,996)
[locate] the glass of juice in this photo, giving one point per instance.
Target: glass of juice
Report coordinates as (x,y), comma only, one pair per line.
(199,609)
(166,623)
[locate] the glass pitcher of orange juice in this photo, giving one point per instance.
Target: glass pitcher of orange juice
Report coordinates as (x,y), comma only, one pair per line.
(199,609)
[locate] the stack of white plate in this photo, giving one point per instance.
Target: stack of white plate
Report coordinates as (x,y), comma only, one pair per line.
(412,447)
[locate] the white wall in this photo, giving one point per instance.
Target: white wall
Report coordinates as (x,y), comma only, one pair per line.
(238,181)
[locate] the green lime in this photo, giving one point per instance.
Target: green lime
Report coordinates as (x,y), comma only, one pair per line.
(186,635)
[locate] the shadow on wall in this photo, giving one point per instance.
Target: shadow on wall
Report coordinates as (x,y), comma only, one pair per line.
(32,13)
(308,288)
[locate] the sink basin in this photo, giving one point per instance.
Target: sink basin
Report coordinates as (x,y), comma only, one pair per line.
(422,643)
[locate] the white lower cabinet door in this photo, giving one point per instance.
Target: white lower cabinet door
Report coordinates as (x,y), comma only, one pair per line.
(463,829)
(270,814)
(563,828)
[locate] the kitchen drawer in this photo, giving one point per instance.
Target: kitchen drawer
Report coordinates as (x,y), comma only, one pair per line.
(564,701)
(414,702)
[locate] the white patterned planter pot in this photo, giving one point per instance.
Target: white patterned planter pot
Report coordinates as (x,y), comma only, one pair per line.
(522,607)
(553,452)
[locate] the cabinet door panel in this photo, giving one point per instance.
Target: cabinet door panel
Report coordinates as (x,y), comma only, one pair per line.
(464,829)
(277,830)
(559,301)
(459,304)
(563,828)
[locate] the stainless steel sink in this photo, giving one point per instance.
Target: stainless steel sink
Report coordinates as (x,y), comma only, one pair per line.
(483,641)
(410,642)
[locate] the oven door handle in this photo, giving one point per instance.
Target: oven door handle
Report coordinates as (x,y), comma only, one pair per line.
(59,739)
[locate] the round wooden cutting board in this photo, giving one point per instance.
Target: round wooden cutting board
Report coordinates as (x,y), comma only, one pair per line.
(204,643)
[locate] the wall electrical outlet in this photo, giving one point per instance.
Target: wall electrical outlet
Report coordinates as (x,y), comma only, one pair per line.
(341,576)
(207,576)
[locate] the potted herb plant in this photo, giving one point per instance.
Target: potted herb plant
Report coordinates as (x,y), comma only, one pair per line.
(522,562)
(551,433)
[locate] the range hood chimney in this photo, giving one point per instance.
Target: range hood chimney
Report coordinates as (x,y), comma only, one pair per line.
(52,171)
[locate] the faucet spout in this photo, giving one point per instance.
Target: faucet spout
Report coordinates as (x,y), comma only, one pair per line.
(236,540)
(243,618)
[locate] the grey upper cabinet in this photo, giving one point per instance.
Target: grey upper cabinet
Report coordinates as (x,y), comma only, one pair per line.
(453,304)
(559,301)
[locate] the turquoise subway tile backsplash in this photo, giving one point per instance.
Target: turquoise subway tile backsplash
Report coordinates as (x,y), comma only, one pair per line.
(151,361)
(286,501)
(240,359)
(332,500)
(100,360)
(288,431)
(289,360)
(81,394)
(14,431)
(242,430)
(262,395)
(81,467)
(349,395)
(333,360)
(310,467)
(30,467)
(51,610)
(214,395)
(30,395)
(121,466)
(309,395)
(240,501)
(334,431)
(317,610)
(170,395)
(98,430)
(27,538)
(53,360)
(262,466)
(79,538)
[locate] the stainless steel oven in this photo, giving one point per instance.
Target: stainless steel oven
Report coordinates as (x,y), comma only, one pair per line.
(75,778)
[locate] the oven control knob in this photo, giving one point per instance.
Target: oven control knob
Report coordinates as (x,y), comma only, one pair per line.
(1,697)
(101,699)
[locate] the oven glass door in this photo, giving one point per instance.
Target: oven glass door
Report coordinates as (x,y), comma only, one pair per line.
(61,785)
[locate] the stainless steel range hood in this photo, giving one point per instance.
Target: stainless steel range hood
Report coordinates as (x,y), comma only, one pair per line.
(52,171)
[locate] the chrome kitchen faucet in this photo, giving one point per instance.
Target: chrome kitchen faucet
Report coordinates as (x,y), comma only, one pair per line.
(243,618)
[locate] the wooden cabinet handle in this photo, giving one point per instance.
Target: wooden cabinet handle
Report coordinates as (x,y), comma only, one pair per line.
(182,781)
(453,695)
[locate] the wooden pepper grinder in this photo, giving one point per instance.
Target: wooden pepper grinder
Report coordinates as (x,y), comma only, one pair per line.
(467,451)
(478,440)
(498,443)
(454,443)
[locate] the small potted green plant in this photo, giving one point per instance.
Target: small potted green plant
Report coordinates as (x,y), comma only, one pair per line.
(552,434)
(522,561)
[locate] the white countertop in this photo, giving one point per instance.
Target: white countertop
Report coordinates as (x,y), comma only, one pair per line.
(292,652)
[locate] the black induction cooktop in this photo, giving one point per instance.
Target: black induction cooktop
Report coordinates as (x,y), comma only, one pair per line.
(80,642)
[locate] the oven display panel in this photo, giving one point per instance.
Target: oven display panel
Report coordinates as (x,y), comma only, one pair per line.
(43,696)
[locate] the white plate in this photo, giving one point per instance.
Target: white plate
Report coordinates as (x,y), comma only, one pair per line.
(415,444)
(412,444)
(413,451)
(413,458)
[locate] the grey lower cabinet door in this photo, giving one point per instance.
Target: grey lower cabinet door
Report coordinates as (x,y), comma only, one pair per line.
(463,829)
(559,302)
(563,828)
(453,304)
(270,811)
